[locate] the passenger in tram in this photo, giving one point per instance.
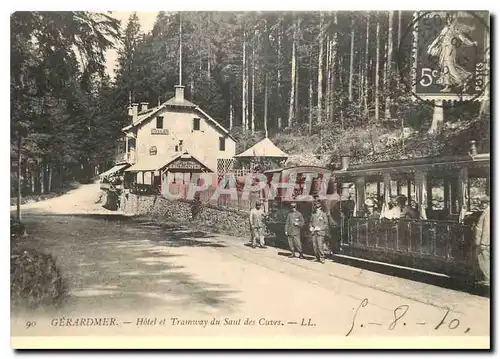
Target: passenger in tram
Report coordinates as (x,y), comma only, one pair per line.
(393,210)
(372,209)
(406,210)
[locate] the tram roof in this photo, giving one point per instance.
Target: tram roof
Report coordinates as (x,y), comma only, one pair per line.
(302,169)
(425,164)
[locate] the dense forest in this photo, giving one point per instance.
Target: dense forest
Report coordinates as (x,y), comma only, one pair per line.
(315,82)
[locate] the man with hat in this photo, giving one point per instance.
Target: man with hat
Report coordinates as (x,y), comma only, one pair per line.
(372,210)
(318,226)
(257,225)
(294,222)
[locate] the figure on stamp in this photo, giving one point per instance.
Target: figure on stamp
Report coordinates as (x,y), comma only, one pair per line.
(444,47)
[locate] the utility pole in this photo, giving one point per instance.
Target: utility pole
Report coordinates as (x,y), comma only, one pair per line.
(180,49)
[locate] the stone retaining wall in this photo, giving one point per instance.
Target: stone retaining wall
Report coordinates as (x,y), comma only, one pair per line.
(210,218)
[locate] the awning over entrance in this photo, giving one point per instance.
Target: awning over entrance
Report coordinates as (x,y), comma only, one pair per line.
(180,161)
(113,169)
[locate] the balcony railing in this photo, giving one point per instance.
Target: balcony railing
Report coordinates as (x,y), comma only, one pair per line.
(125,157)
(447,244)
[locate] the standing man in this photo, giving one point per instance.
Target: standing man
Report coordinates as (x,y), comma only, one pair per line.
(318,227)
(294,222)
(482,241)
(257,225)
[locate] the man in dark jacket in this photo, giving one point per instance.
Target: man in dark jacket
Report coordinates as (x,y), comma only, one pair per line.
(294,222)
(318,227)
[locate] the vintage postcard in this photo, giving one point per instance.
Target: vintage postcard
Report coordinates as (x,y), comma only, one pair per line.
(250,179)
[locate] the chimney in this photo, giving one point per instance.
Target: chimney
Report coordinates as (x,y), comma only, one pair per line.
(179,93)
(344,159)
(135,107)
(144,106)
(130,110)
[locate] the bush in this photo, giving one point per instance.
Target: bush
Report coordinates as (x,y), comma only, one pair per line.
(17,229)
(35,280)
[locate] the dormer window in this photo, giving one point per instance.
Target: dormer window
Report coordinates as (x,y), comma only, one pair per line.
(159,122)
(196,124)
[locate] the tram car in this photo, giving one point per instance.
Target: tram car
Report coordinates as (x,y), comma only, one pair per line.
(436,232)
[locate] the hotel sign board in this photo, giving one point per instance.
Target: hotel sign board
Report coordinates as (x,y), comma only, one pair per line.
(159,131)
(185,164)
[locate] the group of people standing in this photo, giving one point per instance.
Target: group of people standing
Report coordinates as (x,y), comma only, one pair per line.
(318,225)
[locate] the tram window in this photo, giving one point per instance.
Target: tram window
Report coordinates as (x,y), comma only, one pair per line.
(479,198)
(348,191)
(375,193)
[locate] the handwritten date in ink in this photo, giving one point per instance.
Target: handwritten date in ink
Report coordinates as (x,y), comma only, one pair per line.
(398,320)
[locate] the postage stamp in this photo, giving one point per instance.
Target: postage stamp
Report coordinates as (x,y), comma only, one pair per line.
(450,55)
(191,180)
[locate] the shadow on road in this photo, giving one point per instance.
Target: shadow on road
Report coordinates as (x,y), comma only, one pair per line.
(408,273)
(173,235)
(113,266)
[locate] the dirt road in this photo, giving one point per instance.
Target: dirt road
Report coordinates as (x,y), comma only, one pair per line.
(194,283)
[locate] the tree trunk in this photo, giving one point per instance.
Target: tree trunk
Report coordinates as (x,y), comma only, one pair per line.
(384,78)
(266,85)
(230,109)
(341,88)
(361,81)
(297,76)
(437,119)
(19,171)
(367,52)
(320,69)
(209,70)
(485,103)
(310,94)
(292,82)
(49,170)
(244,110)
(25,171)
(377,70)
(328,77)
(41,175)
(389,67)
(252,124)
(333,60)
(351,64)
(399,28)
(32,180)
(279,78)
